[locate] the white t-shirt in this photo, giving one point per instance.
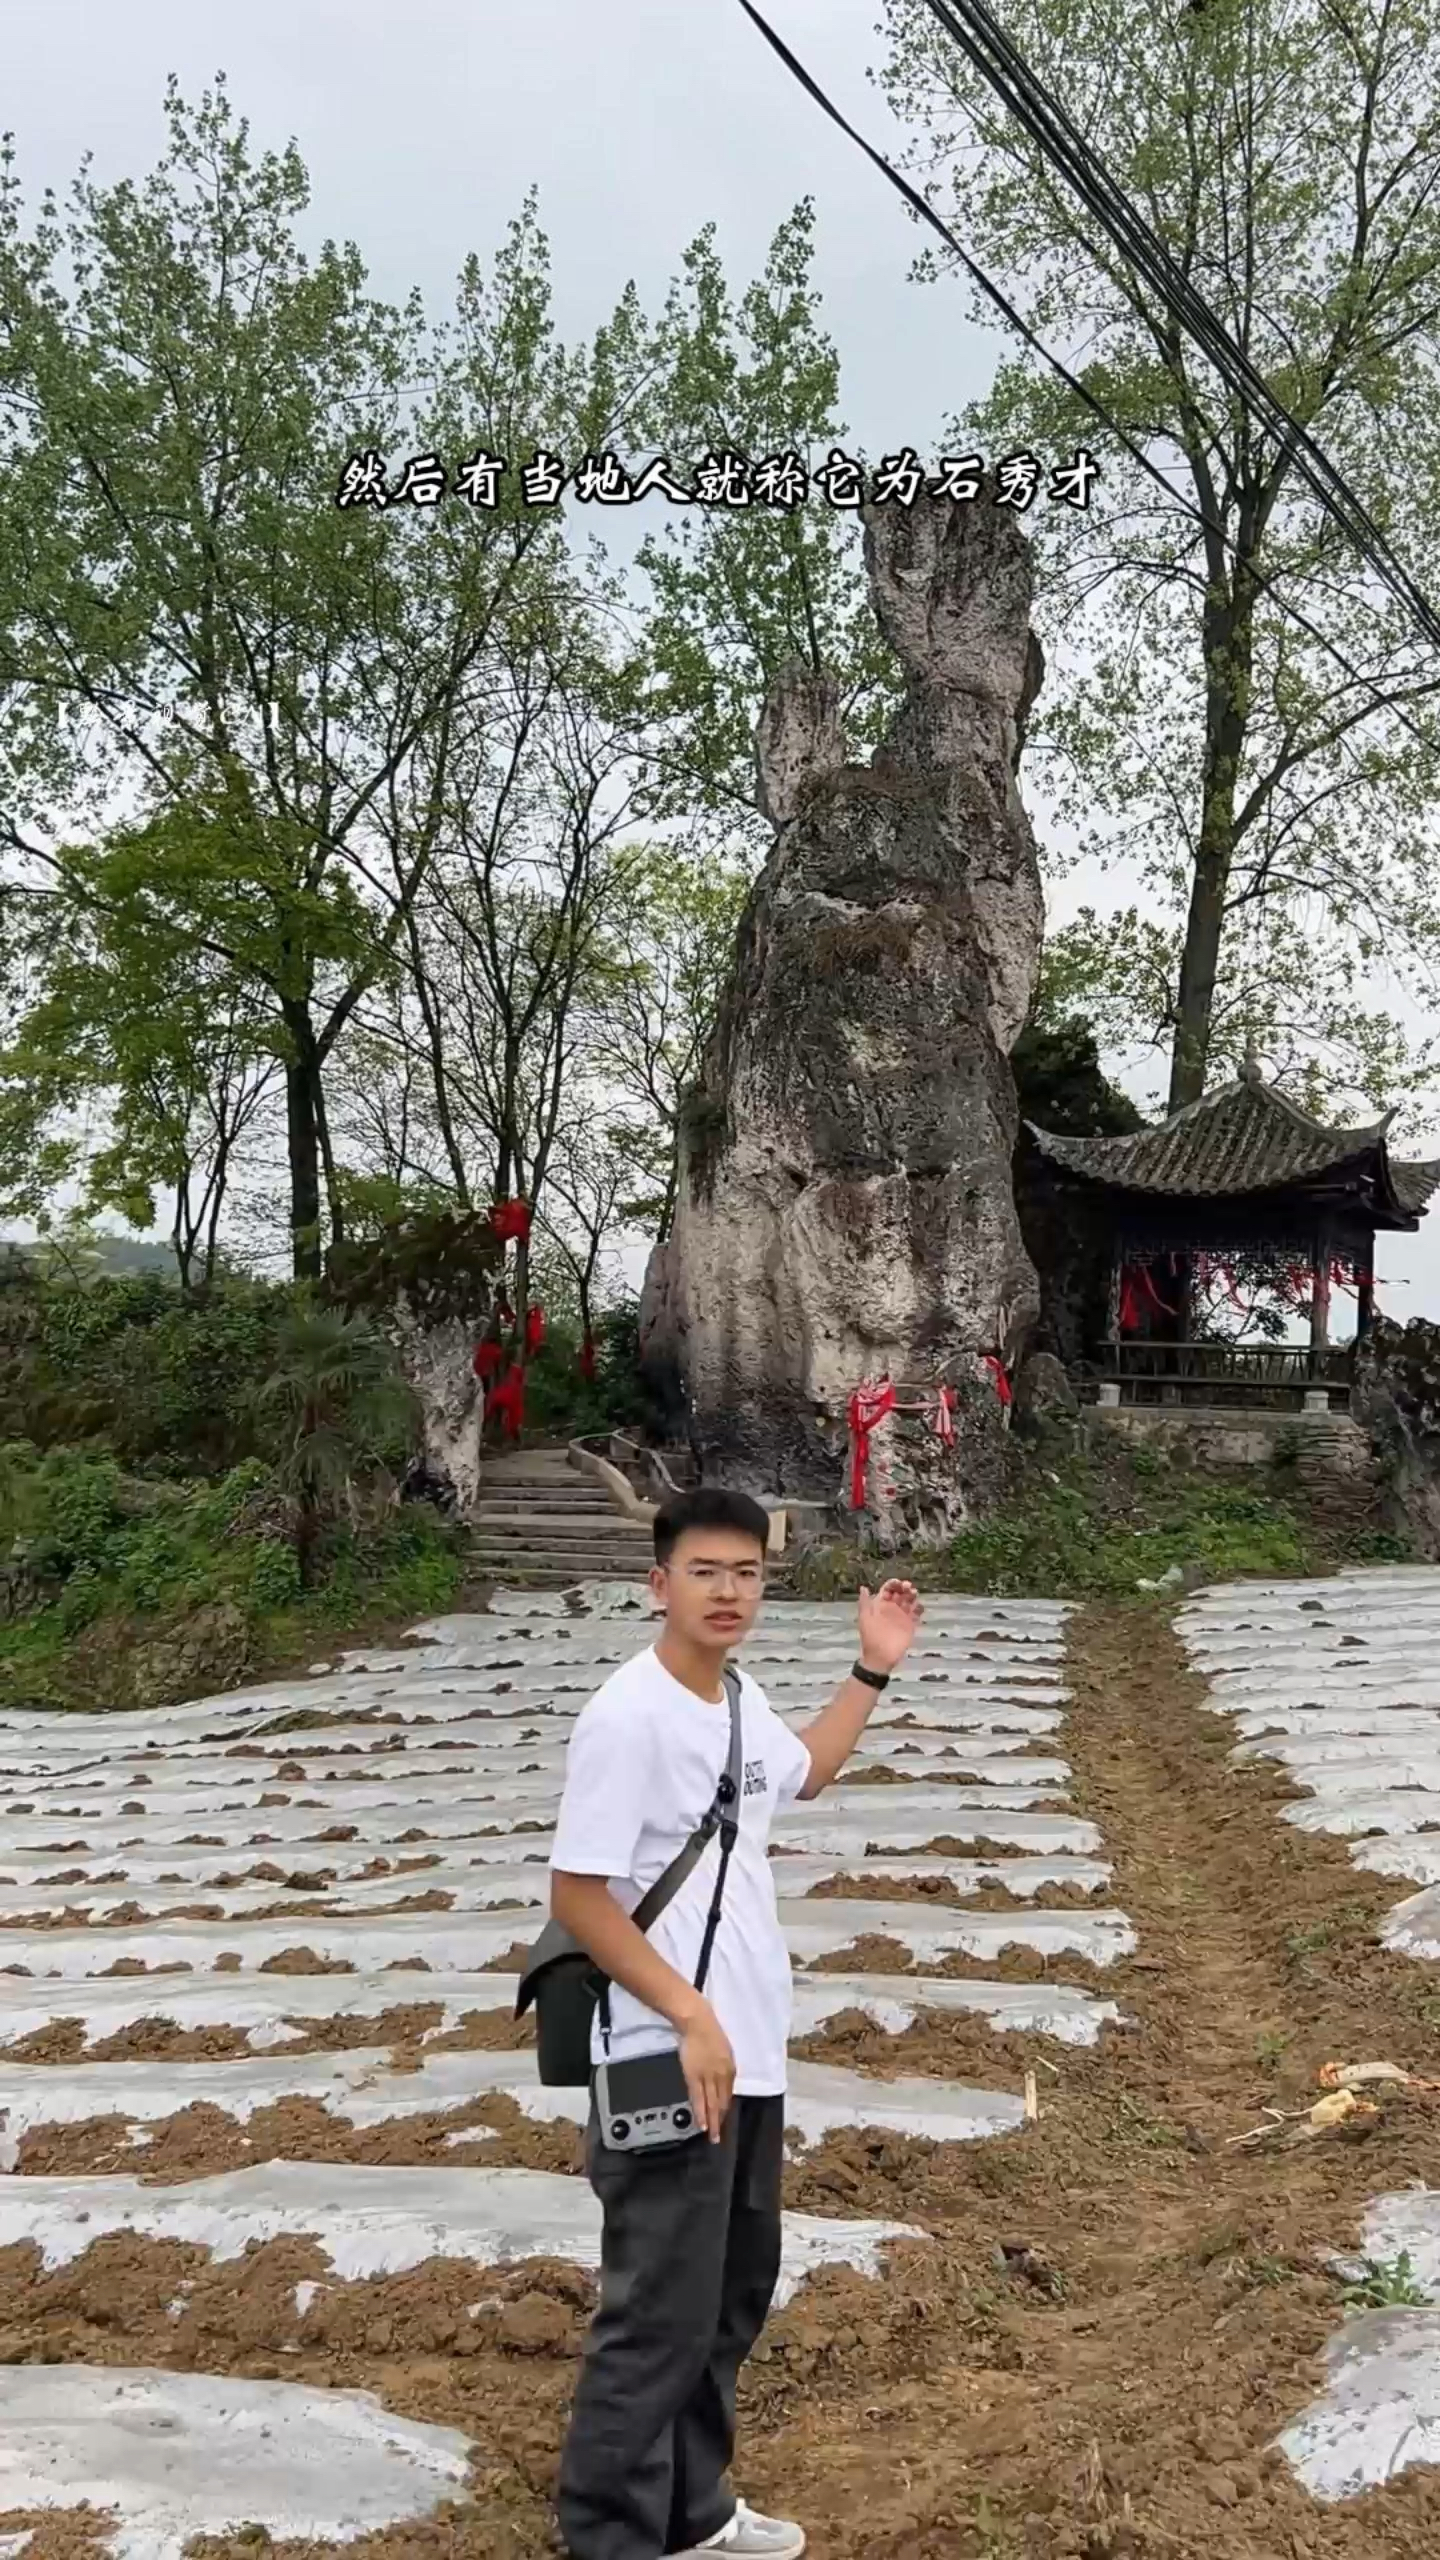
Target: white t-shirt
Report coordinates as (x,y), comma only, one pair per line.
(643,1764)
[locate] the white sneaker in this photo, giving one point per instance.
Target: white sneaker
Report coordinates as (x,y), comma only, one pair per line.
(756,2537)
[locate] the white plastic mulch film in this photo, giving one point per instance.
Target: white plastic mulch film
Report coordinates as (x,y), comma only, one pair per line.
(394,1811)
(1338,1681)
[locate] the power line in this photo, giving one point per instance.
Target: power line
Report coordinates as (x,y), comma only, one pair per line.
(971,26)
(926,212)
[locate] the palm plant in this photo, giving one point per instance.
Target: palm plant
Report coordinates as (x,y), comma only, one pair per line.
(339,1402)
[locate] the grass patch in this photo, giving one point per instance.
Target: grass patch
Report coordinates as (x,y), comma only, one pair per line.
(1135,2124)
(1097,1524)
(1349,1921)
(1063,1540)
(128,1578)
(1384,2283)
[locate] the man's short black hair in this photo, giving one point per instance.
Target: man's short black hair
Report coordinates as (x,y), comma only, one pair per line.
(709,1506)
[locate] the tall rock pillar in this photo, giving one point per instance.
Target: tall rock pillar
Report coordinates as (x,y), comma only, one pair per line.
(845,1206)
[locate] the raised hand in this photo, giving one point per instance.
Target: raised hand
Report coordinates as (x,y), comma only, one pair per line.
(889,1622)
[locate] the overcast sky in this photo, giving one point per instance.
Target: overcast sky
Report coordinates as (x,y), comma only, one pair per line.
(424,122)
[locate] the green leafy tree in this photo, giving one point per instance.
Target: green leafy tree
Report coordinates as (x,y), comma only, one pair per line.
(735,593)
(478,1049)
(670,940)
(339,1407)
(139,1071)
(1274,797)
(192,626)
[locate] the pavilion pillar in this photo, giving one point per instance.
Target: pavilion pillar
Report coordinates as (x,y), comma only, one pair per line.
(1365,1291)
(1110,1391)
(1319,1302)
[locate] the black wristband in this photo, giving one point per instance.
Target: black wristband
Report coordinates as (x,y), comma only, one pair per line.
(872,1679)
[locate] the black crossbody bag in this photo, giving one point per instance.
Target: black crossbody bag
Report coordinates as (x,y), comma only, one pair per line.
(562,1983)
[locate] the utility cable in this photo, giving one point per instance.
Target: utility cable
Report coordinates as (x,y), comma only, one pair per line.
(974,29)
(925,211)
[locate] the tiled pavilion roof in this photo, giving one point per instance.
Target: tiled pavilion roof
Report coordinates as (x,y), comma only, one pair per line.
(1242,1139)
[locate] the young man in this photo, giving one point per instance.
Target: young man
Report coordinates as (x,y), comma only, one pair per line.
(691,2244)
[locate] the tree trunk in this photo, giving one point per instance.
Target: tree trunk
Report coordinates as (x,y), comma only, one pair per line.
(333,1201)
(183,1233)
(304,1151)
(212,1224)
(311,1155)
(439,1078)
(307,1539)
(1228,644)
(672,1186)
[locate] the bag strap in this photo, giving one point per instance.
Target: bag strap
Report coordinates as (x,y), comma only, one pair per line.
(648,1909)
(723,1817)
(729,1823)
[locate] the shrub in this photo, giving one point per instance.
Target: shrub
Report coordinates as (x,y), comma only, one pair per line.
(560,1402)
(166,1382)
(1094,1532)
(273,1581)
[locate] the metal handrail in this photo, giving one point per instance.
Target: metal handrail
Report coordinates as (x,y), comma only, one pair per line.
(1227,1359)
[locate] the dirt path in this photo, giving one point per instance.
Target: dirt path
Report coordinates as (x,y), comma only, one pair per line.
(1115,2314)
(1119,2397)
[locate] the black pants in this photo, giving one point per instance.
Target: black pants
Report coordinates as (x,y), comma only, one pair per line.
(689,2259)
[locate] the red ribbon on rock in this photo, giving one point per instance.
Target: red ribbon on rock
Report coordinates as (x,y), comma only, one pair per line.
(944,1422)
(867,1408)
(505,1402)
(488,1356)
(511,1221)
(534,1330)
(999,1373)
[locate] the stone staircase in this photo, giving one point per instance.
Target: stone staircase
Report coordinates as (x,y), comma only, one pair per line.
(540,1524)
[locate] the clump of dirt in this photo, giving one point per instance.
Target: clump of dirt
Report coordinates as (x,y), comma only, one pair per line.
(311,1909)
(406,2028)
(126,1968)
(515,1958)
(67,2533)
(982,1897)
(204,2141)
(1009,1964)
(303,1960)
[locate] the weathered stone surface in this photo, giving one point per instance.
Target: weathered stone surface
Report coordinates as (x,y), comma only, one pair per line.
(437,1359)
(845,1206)
(430,1282)
(209,1652)
(1397,1403)
(1043,1388)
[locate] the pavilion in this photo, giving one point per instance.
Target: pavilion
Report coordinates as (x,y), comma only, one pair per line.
(1239,1197)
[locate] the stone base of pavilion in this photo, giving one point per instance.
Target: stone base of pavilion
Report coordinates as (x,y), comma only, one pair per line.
(1322,1443)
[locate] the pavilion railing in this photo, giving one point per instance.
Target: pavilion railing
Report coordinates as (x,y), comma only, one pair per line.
(1257,1373)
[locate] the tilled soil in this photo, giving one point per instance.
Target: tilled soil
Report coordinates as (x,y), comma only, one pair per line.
(129,1915)
(158,2039)
(1117,2312)
(202,2140)
(984,1897)
(1008,1964)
